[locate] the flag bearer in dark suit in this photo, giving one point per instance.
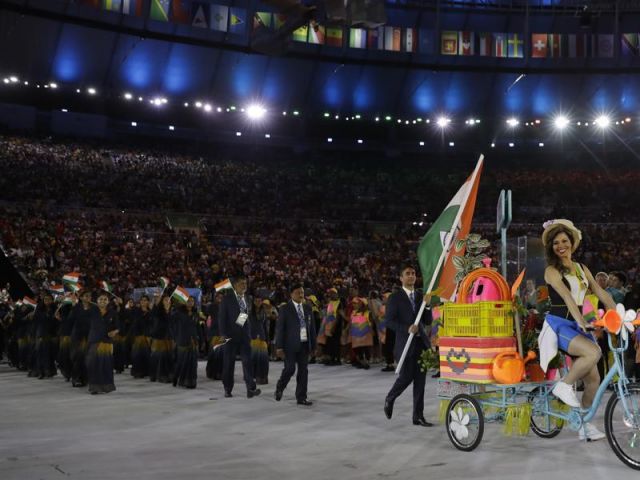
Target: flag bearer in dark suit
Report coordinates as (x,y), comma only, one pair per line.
(233,313)
(295,340)
(401,310)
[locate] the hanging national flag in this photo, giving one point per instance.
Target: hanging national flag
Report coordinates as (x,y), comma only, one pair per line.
(427,41)
(484,44)
(577,45)
(317,34)
(200,15)
(605,45)
(71,277)
(301,34)
(56,288)
(132,7)
(181,12)
(223,284)
(466,43)
(334,37)
(106,287)
(555,45)
(449,43)
(112,5)
(539,45)
(180,294)
(440,241)
(237,20)
(18,303)
(410,40)
(630,44)
(164,282)
(159,10)
(392,39)
(372,38)
(262,19)
(515,46)
(219,18)
(499,45)
(29,302)
(89,3)
(357,38)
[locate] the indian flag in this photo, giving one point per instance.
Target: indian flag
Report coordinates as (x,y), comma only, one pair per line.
(56,288)
(164,282)
(18,303)
(66,300)
(223,284)
(71,277)
(106,287)
(29,302)
(74,287)
(440,241)
(180,294)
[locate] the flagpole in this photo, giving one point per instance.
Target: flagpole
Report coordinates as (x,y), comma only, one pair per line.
(443,255)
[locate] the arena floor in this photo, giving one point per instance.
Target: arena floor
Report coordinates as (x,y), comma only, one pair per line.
(49,430)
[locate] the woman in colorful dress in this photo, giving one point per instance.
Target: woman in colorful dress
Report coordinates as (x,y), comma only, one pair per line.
(161,362)
(104,326)
(569,283)
(361,333)
(185,318)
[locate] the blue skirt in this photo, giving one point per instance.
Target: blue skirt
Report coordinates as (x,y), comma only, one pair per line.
(566,330)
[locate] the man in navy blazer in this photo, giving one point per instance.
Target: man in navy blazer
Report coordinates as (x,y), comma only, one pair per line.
(295,340)
(400,314)
(234,322)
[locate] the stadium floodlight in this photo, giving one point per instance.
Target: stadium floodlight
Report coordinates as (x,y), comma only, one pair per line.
(511,144)
(92,91)
(53,85)
(198,104)
(443,121)
(134,124)
(267,135)
(422,144)
(208,108)
(541,144)
(6,80)
(13,79)
(329,140)
(603,121)
(493,145)
(172,128)
(513,122)
(452,144)
(327,114)
(387,118)
(360,141)
(128,96)
(256,112)
(560,122)
(238,134)
(219,109)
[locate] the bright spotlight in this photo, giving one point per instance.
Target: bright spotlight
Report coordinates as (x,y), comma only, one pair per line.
(443,122)
(256,112)
(603,121)
(198,104)
(134,124)
(513,122)
(53,85)
(208,108)
(267,135)
(360,141)
(422,144)
(172,128)
(541,144)
(452,144)
(561,122)
(511,144)
(329,140)
(91,91)
(13,79)
(128,96)
(6,80)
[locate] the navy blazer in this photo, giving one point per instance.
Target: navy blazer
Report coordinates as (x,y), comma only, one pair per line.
(288,328)
(399,316)
(228,312)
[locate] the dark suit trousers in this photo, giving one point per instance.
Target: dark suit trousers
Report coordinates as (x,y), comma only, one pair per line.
(230,350)
(388,346)
(291,359)
(410,372)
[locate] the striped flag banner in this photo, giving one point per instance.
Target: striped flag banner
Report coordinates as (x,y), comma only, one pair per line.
(223,284)
(484,44)
(410,40)
(357,38)
(56,288)
(29,302)
(132,7)
(164,282)
(466,43)
(555,45)
(334,37)
(317,34)
(112,5)
(71,277)
(499,45)
(66,300)
(74,287)
(106,287)
(180,294)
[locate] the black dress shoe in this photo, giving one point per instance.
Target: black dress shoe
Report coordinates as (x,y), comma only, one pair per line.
(422,422)
(253,393)
(278,395)
(388,368)
(436,375)
(305,402)
(388,408)
(227,394)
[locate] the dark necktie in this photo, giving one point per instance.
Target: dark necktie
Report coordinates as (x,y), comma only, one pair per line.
(243,305)
(413,301)
(301,315)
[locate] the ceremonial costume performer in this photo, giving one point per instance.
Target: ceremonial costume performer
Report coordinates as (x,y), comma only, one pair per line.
(235,310)
(104,326)
(82,314)
(569,282)
(185,318)
(162,356)
(259,346)
(330,328)
(400,314)
(361,333)
(46,331)
(141,320)
(295,340)
(63,315)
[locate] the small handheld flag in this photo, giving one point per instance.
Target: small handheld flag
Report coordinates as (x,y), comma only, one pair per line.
(71,277)
(180,294)
(223,284)
(106,287)
(29,302)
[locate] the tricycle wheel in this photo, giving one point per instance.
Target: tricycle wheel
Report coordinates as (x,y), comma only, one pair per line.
(465,422)
(543,424)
